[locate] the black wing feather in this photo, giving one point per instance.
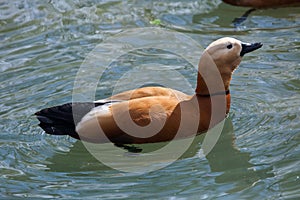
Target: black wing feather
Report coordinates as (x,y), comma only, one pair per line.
(62,120)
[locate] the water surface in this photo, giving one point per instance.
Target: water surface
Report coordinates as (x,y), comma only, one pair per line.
(43,44)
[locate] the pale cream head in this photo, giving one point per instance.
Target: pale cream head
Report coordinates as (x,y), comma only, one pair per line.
(218,62)
(226,52)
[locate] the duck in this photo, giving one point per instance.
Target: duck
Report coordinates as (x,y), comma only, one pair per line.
(155,114)
(263,3)
(258,4)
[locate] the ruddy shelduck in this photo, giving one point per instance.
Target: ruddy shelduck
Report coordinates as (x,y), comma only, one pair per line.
(263,3)
(155,114)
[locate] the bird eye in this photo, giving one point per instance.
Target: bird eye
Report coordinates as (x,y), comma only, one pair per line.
(229,46)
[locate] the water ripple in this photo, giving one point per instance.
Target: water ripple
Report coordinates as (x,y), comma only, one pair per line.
(42,47)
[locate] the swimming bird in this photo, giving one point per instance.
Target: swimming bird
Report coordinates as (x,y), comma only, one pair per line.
(259,4)
(155,114)
(263,3)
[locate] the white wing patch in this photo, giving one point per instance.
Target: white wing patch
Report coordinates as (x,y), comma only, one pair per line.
(91,117)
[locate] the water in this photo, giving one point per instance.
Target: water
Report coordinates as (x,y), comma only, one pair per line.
(43,44)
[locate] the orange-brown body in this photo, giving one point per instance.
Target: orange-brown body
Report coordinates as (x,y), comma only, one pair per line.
(170,117)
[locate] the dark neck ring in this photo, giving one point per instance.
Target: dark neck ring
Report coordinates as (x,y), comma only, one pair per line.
(214,94)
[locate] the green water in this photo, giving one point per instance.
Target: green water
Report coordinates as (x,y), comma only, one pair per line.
(42,46)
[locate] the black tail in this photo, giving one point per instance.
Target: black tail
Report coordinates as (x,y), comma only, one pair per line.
(62,120)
